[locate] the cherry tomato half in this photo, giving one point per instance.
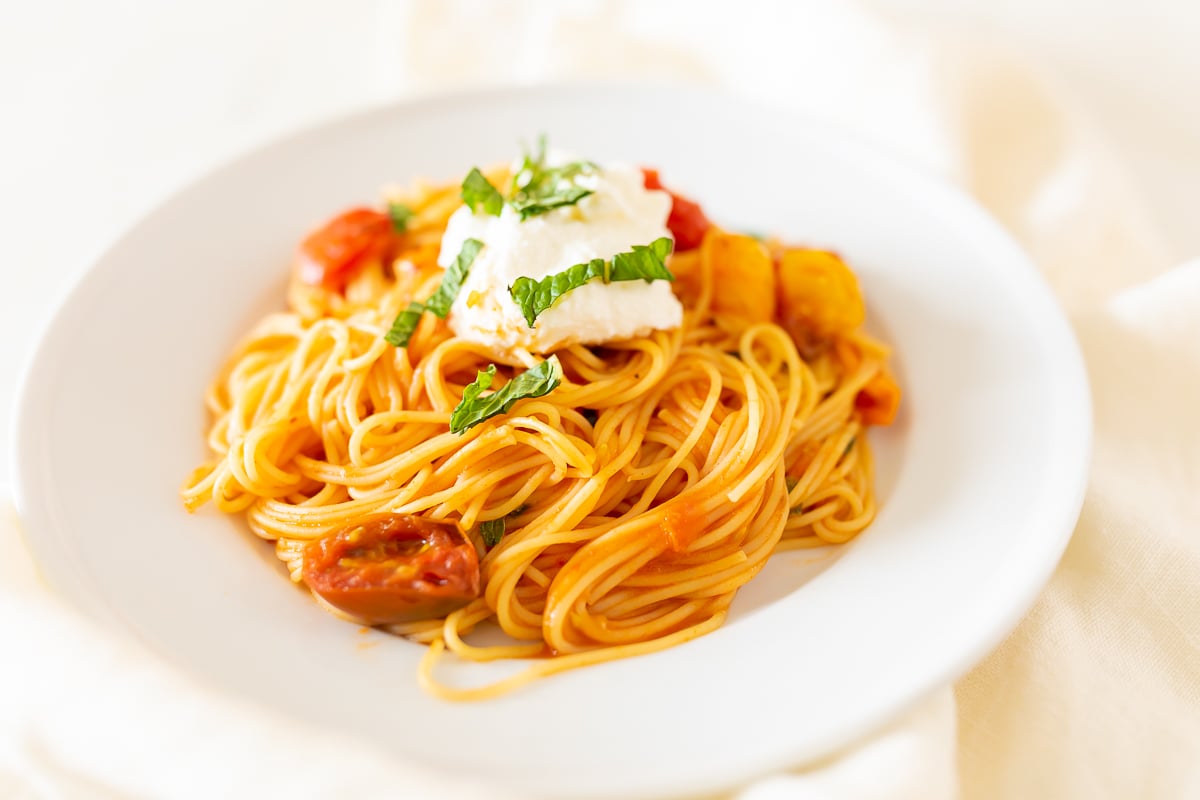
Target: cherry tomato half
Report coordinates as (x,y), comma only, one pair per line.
(389,568)
(330,255)
(687,221)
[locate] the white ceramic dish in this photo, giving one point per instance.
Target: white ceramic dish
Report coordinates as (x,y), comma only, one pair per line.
(981,481)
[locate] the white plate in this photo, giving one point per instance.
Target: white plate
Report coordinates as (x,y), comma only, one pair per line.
(981,480)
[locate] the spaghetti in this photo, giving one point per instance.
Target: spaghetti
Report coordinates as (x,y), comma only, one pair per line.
(635,498)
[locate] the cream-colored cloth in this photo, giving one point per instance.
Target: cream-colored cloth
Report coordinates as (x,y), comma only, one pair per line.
(1095,695)
(1097,692)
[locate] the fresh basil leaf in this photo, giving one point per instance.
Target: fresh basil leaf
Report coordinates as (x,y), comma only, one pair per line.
(534,382)
(537,188)
(536,179)
(483,382)
(404,325)
(452,281)
(540,158)
(531,165)
(540,204)
(441,300)
(849,446)
(400,215)
(535,296)
(491,531)
(645,262)
(477,192)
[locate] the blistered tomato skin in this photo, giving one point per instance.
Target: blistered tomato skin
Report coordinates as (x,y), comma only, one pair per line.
(687,221)
(390,568)
(330,255)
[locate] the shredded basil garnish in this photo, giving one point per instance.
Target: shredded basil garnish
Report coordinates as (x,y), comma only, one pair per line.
(535,188)
(441,300)
(491,531)
(538,188)
(478,192)
(474,408)
(439,304)
(645,262)
(849,446)
(400,215)
(404,325)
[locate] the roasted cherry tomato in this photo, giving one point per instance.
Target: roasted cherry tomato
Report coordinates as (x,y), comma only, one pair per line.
(879,400)
(687,222)
(333,253)
(389,568)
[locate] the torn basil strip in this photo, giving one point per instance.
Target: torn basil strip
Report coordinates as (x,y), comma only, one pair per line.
(404,325)
(645,262)
(491,531)
(439,303)
(400,215)
(476,407)
(479,194)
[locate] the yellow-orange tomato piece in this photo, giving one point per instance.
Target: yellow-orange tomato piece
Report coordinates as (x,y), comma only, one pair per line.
(879,400)
(847,355)
(818,295)
(685,267)
(743,275)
